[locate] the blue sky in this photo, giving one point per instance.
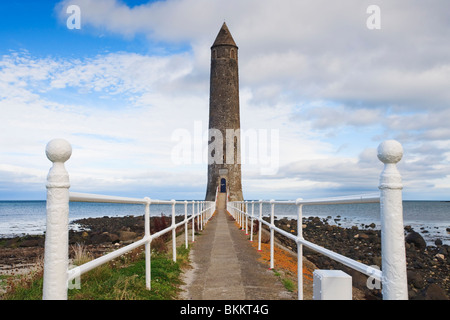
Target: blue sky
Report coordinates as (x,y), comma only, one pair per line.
(129,91)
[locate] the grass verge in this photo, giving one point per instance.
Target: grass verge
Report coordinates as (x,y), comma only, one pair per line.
(120,279)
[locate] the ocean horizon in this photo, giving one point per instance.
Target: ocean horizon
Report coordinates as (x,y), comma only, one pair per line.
(430,218)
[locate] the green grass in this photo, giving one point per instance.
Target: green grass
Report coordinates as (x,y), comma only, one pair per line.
(288,284)
(120,279)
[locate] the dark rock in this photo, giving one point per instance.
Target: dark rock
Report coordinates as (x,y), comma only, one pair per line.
(438,242)
(435,292)
(408,228)
(114,238)
(443,250)
(376,261)
(99,238)
(412,295)
(415,279)
(127,235)
(416,239)
(29,243)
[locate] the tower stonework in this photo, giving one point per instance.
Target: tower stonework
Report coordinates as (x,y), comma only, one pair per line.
(224,166)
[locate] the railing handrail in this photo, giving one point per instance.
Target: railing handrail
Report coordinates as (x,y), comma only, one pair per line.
(100,198)
(147,238)
(56,273)
(56,263)
(352,199)
(89,197)
(393,274)
(79,270)
(361,267)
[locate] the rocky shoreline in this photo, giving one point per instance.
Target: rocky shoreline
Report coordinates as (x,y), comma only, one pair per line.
(427,266)
(98,235)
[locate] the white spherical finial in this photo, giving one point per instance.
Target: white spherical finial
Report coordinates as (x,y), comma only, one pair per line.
(390,151)
(58,150)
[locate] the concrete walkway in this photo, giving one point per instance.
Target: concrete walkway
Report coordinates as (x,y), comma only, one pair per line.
(226,266)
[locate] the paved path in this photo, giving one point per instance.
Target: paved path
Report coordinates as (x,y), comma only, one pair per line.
(226,266)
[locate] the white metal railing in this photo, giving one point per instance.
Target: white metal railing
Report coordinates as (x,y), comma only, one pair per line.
(393,274)
(56,258)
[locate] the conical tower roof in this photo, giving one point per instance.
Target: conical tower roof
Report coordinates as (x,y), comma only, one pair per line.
(224,38)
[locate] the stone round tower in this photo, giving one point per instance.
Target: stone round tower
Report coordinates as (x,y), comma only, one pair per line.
(224,166)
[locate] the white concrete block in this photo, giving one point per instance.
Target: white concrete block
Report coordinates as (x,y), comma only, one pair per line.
(331,285)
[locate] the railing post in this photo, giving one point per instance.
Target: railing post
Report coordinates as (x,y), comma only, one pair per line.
(391,210)
(185,224)
(243,216)
(260,225)
(193,221)
(251,227)
(174,235)
(246,217)
(272,225)
(198,215)
(201,215)
(56,255)
(300,252)
(147,245)
(239,208)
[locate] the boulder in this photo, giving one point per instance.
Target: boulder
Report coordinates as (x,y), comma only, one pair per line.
(127,235)
(416,239)
(415,279)
(435,292)
(98,238)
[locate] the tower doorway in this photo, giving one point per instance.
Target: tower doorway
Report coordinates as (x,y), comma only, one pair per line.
(223,185)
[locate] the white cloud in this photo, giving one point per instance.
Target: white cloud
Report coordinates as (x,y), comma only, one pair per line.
(110,141)
(310,69)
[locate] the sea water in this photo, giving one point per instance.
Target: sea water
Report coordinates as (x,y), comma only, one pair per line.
(18,218)
(430,218)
